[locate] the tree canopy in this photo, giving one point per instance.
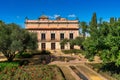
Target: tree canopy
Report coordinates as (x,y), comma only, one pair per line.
(104,40)
(14,39)
(64,42)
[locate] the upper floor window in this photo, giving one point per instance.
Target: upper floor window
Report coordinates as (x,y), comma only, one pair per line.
(61,36)
(71,36)
(52,36)
(42,36)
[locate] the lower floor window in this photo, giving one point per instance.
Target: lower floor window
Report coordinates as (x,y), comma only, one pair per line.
(62,47)
(52,46)
(43,46)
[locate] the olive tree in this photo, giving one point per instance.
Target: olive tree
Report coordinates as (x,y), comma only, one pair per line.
(14,39)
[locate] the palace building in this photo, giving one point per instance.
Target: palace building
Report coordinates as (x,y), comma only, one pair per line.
(51,32)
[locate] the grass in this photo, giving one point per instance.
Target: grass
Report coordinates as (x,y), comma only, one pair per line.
(8,65)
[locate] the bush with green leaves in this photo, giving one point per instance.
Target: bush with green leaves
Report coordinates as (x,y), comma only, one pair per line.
(45,52)
(76,51)
(8,65)
(24,55)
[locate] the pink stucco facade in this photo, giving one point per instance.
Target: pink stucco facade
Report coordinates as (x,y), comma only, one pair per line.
(56,27)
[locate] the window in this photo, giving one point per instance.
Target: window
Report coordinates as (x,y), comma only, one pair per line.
(61,36)
(52,46)
(52,36)
(42,36)
(62,47)
(43,46)
(71,36)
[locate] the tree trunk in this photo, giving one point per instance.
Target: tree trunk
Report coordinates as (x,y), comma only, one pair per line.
(10,59)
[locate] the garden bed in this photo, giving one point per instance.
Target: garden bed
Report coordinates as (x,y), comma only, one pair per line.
(30,72)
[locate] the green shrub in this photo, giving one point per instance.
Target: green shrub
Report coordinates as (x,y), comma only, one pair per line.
(45,52)
(72,51)
(35,52)
(24,55)
(23,62)
(8,65)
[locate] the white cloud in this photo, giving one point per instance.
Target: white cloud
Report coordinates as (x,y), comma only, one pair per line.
(54,16)
(72,15)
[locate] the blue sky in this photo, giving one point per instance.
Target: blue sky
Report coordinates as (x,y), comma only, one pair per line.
(16,10)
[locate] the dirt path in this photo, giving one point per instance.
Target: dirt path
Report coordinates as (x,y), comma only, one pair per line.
(69,74)
(92,75)
(89,73)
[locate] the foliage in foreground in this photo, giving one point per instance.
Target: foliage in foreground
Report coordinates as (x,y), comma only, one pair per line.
(24,55)
(104,40)
(32,72)
(14,39)
(108,70)
(8,65)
